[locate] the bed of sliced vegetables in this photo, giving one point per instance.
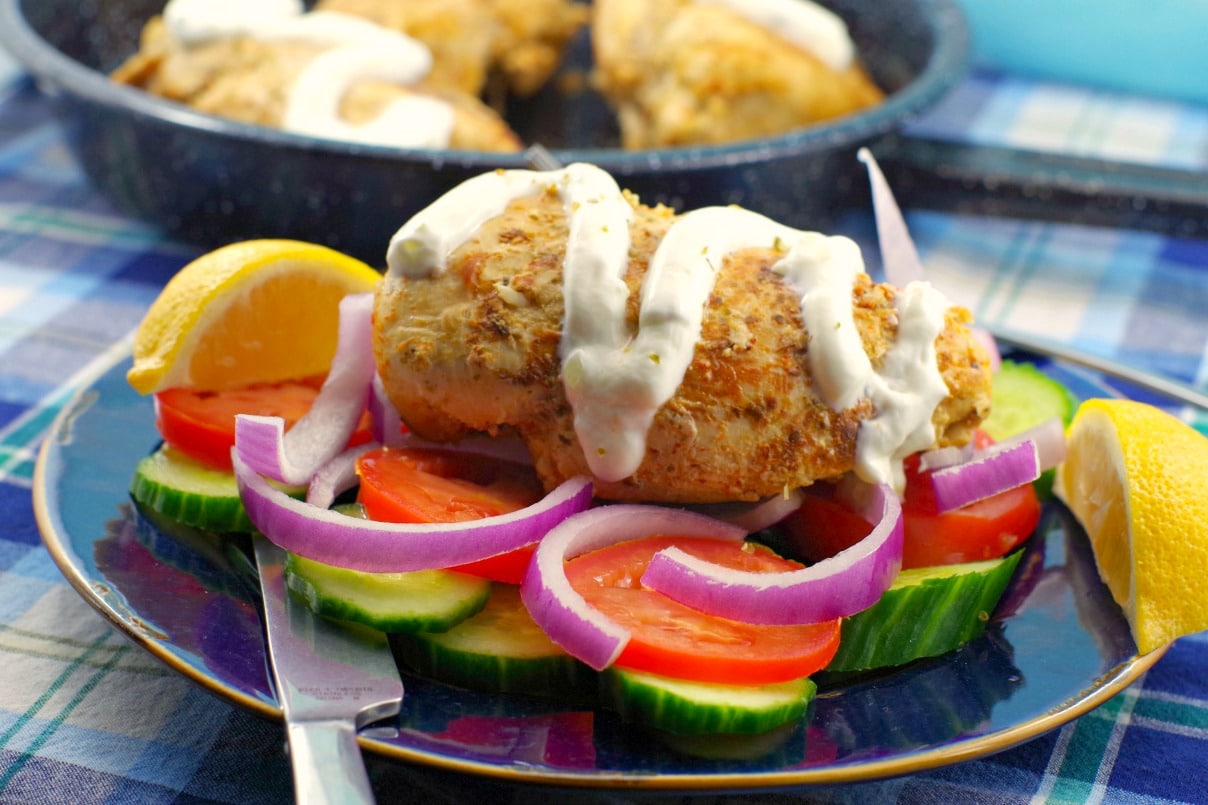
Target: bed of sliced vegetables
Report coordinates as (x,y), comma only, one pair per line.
(680,620)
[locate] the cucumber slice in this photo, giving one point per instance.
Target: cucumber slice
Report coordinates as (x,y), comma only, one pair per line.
(684,707)
(183,490)
(1023,396)
(421,600)
(499,650)
(926,612)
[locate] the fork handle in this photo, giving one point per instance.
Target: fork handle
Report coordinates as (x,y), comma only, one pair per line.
(327,763)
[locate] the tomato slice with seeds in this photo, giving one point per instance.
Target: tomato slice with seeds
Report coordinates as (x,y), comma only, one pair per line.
(674,640)
(423,485)
(201,424)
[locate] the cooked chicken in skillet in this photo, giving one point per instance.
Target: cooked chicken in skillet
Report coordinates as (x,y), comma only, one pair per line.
(257,79)
(520,40)
(682,72)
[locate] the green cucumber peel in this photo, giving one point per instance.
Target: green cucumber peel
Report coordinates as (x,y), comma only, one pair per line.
(188,492)
(685,707)
(420,600)
(499,649)
(926,612)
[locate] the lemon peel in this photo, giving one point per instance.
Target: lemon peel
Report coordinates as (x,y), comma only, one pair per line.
(257,311)
(1136,478)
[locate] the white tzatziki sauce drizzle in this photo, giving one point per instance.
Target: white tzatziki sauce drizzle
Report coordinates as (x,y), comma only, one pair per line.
(908,386)
(357,49)
(616,381)
(805,25)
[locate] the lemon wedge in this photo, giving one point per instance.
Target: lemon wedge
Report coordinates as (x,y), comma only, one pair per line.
(1136,478)
(258,311)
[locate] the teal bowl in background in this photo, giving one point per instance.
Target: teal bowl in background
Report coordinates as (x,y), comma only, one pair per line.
(1138,46)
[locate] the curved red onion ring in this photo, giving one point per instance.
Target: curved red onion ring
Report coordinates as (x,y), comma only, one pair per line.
(293,457)
(993,470)
(754,516)
(849,581)
(899,256)
(505,448)
(1049,438)
(941,457)
(327,536)
(562,613)
(336,476)
(388,426)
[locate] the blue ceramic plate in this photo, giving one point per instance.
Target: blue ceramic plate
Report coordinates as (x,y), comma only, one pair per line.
(1058,648)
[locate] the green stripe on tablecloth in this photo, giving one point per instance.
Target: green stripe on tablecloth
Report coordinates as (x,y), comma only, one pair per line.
(41,645)
(80,695)
(18,445)
(1178,712)
(1013,252)
(1028,259)
(1087,750)
(80,227)
(20,440)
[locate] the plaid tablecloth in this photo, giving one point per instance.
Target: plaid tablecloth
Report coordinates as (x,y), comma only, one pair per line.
(87,717)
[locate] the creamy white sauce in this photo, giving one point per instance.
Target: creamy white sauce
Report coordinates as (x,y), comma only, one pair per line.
(357,49)
(907,389)
(192,22)
(617,388)
(823,270)
(617,380)
(803,24)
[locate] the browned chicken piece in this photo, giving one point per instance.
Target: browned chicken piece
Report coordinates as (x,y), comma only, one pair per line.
(249,80)
(682,73)
(520,40)
(531,37)
(475,348)
(459,35)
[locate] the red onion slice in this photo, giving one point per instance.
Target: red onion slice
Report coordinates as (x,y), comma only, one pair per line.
(993,470)
(942,457)
(505,448)
(583,631)
(327,536)
(293,457)
(849,581)
(899,256)
(388,426)
(754,516)
(1049,438)
(336,476)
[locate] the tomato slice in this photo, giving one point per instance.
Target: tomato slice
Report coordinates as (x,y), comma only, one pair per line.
(987,529)
(671,639)
(423,485)
(201,424)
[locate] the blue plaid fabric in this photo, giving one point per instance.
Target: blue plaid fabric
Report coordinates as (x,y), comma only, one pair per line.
(86,717)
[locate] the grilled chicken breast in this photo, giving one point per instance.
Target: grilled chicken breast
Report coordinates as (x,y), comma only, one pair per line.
(475,347)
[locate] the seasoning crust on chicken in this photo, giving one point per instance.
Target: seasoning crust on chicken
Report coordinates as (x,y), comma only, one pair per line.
(475,348)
